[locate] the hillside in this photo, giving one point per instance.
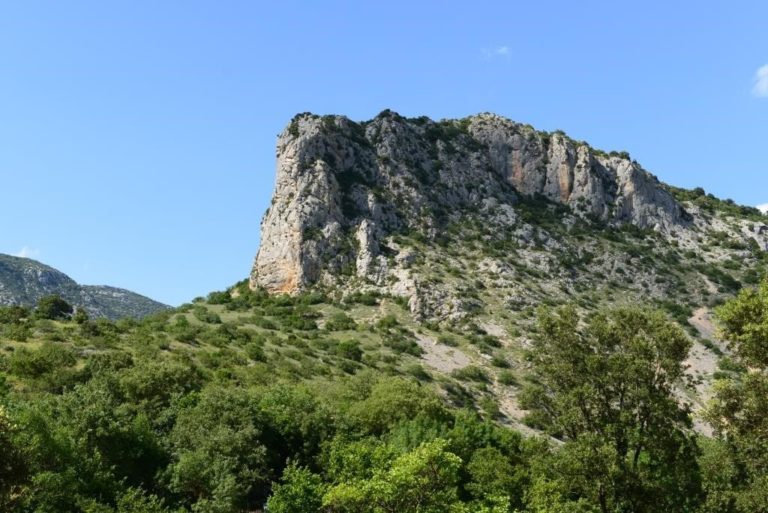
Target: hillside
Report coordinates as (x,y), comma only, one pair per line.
(464,316)
(473,224)
(23,281)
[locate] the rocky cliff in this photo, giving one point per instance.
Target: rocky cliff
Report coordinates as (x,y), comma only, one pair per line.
(343,186)
(401,205)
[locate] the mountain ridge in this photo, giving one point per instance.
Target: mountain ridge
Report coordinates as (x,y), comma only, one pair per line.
(23,281)
(347,194)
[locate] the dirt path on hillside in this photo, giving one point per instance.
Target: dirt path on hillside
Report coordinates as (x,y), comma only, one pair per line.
(702,321)
(702,364)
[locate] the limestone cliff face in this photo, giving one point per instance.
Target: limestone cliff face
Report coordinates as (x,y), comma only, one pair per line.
(609,187)
(342,188)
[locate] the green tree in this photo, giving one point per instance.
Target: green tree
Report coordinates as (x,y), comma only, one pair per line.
(53,307)
(13,314)
(744,324)
(135,500)
(739,409)
(220,462)
(493,475)
(81,316)
(12,464)
(605,385)
(300,491)
(421,481)
(383,403)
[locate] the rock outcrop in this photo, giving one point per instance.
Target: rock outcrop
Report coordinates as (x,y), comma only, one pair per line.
(343,187)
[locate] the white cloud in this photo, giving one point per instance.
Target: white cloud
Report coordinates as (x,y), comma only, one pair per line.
(760,89)
(27,252)
(763,208)
(499,51)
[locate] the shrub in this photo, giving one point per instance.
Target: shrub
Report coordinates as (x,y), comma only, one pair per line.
(53,307)
(507,378)
(349,349)
(13,314)
(387,322)
(202,314)
(447,340)
(471,373)
(340,322)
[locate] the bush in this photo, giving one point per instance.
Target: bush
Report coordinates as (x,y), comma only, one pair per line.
(300,491)
(447,340)
(340,322)
(349,349)
(53,307)
(471,373)
(499,361)
(13,314)
(363,298)
(219,298)
(400,344)
(34,363)
(387,322)
(17,332)
(202,314)
(507,378)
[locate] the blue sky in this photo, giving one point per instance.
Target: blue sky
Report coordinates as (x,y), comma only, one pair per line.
(137,138)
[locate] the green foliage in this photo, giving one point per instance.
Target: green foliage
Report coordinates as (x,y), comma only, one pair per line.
(349,349)
(300,491)
(190,412)
(50,367)
(18,331)
(219,461)
(52,307)
(13,314)
(12,465)
(607,391)
(363,298)
(340,322)
(448,340)
(424,480)
(493,474)
(744,322)
(390,400)
(81,316)
(711,204)
(135,500)
(202,314)
(471,373)
(739,411)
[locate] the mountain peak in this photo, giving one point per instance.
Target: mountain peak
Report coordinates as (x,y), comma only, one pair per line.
(392,174)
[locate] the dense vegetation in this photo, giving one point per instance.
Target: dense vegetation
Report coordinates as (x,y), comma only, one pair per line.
(306,404)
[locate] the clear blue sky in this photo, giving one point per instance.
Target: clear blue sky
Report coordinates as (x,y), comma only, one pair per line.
(137,137)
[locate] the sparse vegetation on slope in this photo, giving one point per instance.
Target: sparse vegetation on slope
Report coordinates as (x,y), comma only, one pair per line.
(305,403)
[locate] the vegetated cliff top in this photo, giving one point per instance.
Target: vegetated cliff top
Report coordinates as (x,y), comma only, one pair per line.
(355,199)
(23,281)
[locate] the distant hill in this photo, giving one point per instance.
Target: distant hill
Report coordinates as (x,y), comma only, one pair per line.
(23,281)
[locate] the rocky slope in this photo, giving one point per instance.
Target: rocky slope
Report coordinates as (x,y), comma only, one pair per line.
(367,200)
(472,224)
(23,281)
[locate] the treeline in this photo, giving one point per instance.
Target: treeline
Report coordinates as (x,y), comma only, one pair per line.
(121,431)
